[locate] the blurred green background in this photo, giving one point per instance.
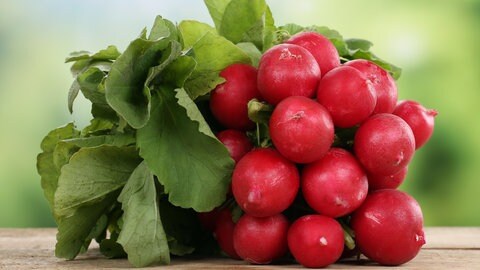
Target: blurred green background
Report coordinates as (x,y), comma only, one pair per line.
(435,42)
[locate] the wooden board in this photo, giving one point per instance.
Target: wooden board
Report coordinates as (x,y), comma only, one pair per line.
(447,248)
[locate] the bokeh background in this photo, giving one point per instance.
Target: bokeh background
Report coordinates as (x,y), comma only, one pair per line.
(435,42)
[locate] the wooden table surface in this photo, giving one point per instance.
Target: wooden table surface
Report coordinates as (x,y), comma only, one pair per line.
(446,248)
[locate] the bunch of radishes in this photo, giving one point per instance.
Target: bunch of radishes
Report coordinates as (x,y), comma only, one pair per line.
(340,146)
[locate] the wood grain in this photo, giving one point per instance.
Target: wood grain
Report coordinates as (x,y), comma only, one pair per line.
(447,248)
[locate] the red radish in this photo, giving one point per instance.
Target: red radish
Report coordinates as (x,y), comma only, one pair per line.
(387,182)
(315,240)
(320,47)
(389,227)
(228,101)
(208,220)
(287,70)
(301,129)
(224,232)
(335,185)
(261,240)
(347,95)
(384,144)
(236,142)
(420,119)
(382,82)
(264,183)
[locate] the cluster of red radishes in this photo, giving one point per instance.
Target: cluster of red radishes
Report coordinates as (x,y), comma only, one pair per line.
(317,100)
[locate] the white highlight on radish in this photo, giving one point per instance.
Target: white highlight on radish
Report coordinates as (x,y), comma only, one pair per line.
(323,241)
(372,217)
(287,54)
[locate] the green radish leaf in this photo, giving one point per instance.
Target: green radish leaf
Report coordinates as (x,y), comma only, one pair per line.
(62,154)
(146,244)
(177,73)
(108,169)
(291,28)
(179,147)
(128,85)
(48,170)
(212,53)
(104,66)
(356,43)
(125,88)
(171,53)
(78,55)
(98,126)
(91,83)
(192,112)
(253,52)
(79,66)
(119,140)
(161,29)
(109,54)
(111,249)
(75,230)
(244,21)
(99,111)
(72,94)
(269,30)
(193,31)
(216,8)
(83,59)
(102,60)
(98,230)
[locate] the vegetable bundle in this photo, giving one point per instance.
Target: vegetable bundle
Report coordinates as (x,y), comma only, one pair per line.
(136,177)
